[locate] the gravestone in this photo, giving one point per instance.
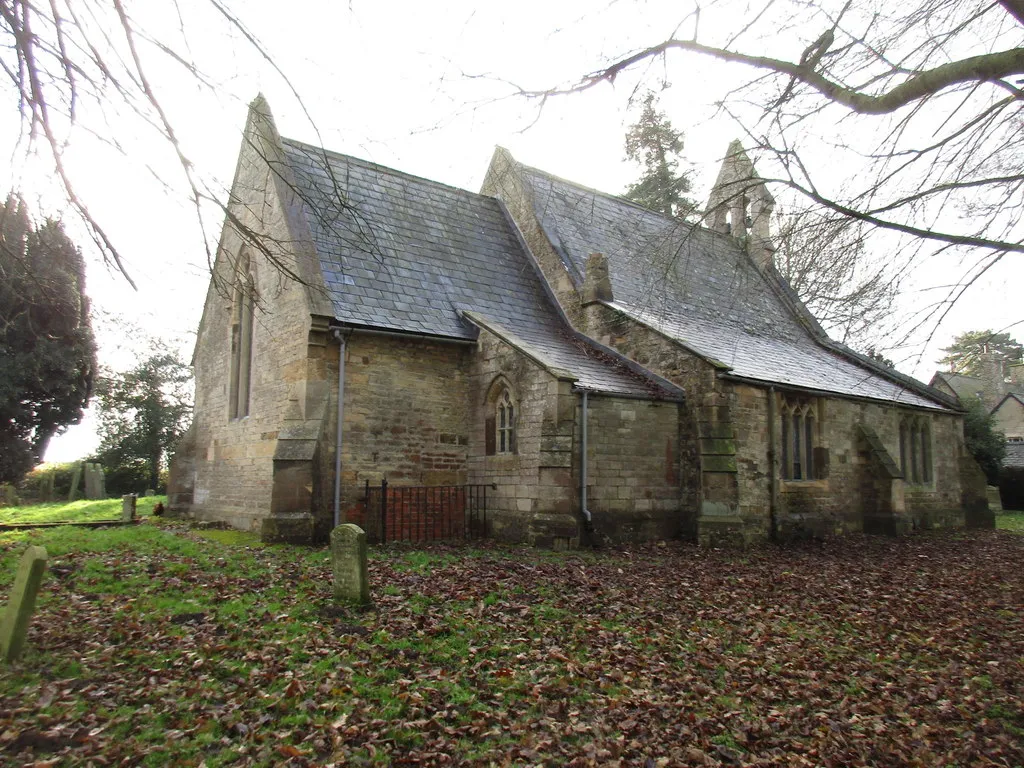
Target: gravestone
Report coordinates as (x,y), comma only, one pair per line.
(90,482)
(22,602)
(46,487)
(94,482)
(128,507)
(8,495)
(348,562)
(150,492)
(76,476)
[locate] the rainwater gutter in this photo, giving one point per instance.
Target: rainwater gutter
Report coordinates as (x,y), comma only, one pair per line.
(773,481)
(339,336)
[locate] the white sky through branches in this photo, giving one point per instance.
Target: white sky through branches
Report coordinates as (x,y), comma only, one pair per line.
(424,88)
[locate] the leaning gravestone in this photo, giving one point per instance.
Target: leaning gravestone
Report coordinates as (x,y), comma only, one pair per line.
(128,508)
(75,477)
(348,562)
(14,626)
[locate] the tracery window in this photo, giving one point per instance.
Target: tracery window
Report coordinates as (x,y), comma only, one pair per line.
(500,421)
(915,449)
(242,315)
(799,439)
(506,424)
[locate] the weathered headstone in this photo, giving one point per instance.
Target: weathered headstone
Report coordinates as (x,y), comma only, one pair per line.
(348,562)
(22,602)
(90,482)
(76,476)
(46,487)
(128,507)
(8,495)
(95,482)
(150,492)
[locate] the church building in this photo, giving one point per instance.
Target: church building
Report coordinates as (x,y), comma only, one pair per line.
(540,362)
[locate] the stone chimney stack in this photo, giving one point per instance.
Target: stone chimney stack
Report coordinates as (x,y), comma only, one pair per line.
(1016,374)
(597,287)
(597,283)
(740,205)
(993,381)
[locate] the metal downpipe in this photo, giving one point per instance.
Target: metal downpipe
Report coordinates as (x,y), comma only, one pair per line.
(773,481)
(583,465)
(339,336)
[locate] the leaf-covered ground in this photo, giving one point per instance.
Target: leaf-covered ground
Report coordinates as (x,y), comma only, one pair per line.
(160,646)
(76,511)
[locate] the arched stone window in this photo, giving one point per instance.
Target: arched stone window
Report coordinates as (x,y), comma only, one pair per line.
(501,419)
(506,424)
(799,438)
(916,449)
(242,315)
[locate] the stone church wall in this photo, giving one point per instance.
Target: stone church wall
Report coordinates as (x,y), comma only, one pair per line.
(634,480)
(635,489)
(839,499)
(533,499)
(232,458)
(406,416)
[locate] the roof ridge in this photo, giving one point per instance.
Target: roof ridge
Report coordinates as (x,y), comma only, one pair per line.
(379,166)
(620,199)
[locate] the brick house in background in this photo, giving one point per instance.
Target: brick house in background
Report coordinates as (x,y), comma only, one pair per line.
(603,370)
(1000,389)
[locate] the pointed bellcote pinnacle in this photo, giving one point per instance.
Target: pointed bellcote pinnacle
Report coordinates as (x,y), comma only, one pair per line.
(261,130)
(741,205)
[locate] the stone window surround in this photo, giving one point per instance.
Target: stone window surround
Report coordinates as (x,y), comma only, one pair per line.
(500,436)
(243,305)
(916,451)
(805,412)
(506,420)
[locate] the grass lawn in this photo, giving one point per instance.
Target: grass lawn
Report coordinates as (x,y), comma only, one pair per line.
(158,645)
(1010,521)
(77,511)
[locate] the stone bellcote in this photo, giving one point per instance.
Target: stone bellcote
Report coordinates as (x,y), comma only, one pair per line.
(741,205)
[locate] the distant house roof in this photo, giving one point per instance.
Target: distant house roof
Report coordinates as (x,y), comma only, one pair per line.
(1012,396)
(701,289)
(1014,456)
(410,255)
(964,386)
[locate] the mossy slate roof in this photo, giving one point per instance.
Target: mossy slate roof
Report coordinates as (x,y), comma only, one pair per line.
(700,288)
(410,255)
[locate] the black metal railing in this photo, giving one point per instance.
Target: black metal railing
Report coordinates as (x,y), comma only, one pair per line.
(421,513)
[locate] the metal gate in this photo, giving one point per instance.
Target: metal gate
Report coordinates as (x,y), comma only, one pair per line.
(421,513)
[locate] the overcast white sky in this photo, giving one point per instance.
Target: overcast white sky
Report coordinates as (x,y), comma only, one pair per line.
(415,86)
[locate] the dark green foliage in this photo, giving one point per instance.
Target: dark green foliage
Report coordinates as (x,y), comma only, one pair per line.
(128,476)
(984,442)
(143,413)
(31,487)
(653,143)
(47,351)
(964,354)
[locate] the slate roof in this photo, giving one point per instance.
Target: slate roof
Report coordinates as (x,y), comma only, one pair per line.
(963,385)
(1014,456)
(411,255)
(701,289)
